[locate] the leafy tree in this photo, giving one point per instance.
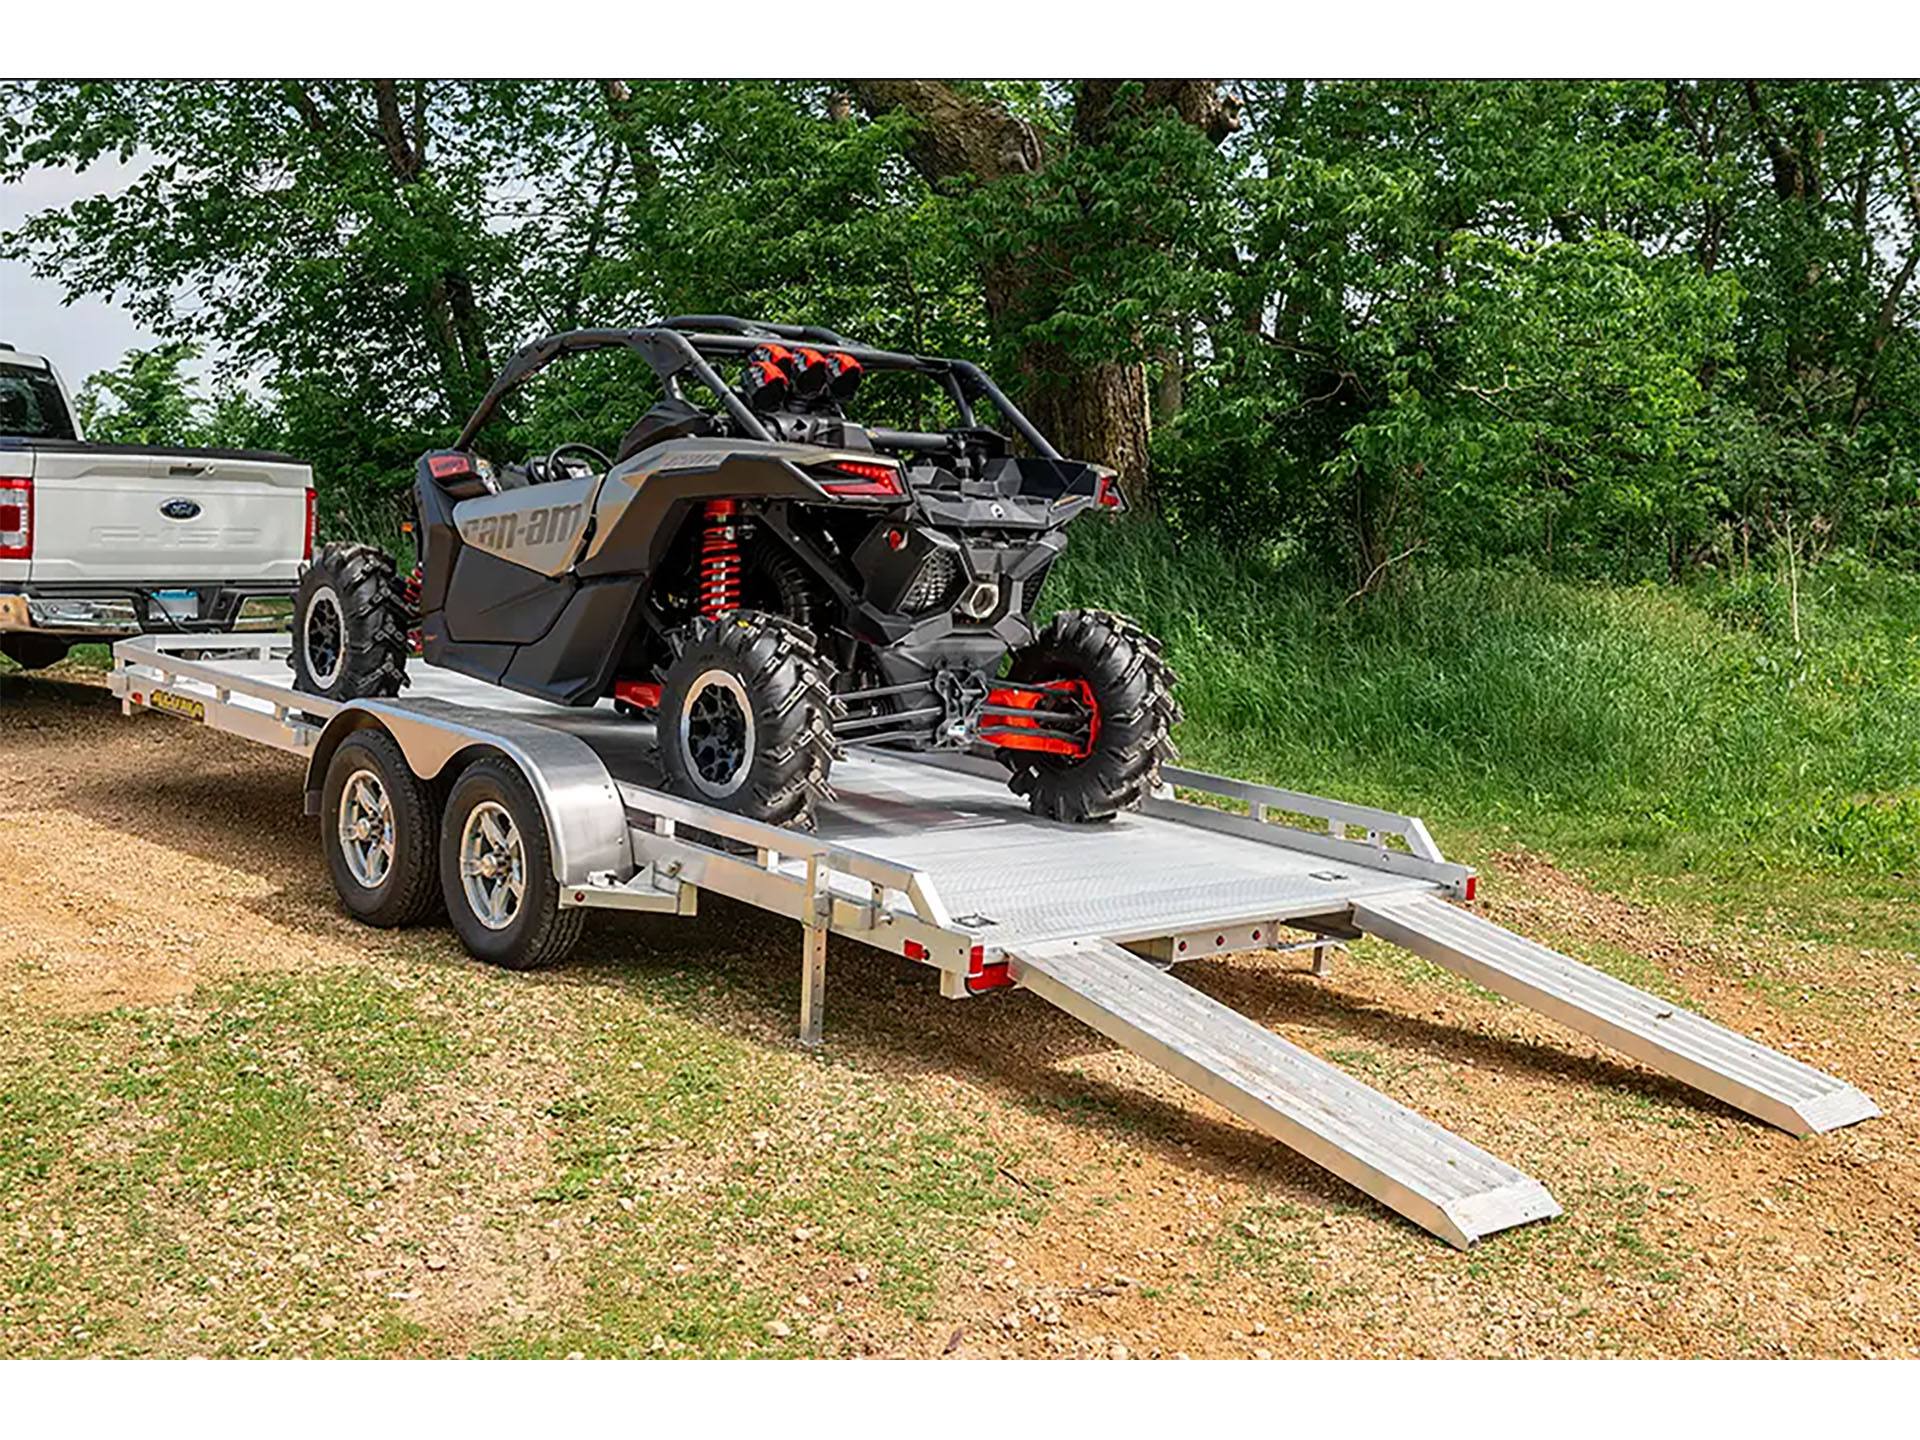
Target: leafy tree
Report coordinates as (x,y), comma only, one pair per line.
(146,399)
(1620,328)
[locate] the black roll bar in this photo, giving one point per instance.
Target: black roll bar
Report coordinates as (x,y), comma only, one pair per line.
(681,345)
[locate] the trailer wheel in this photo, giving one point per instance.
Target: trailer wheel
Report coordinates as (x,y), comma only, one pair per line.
(350,620)
(378,827)
(1132,688)
(496,871)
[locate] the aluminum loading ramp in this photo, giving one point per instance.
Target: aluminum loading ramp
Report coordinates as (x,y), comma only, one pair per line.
(1405,1161)
(1728,1066)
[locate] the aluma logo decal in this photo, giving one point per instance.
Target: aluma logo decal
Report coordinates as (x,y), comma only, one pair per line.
(177,705)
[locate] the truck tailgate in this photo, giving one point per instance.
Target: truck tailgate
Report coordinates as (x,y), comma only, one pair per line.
(163,516)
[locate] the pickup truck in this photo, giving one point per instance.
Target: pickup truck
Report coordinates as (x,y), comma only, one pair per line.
(98,542)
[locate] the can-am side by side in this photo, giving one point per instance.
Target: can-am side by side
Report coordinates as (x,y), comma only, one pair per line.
(766,578)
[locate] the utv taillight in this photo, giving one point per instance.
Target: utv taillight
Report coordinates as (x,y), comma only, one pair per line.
(307,549)
(860,478)
(16,517)
(1107,492)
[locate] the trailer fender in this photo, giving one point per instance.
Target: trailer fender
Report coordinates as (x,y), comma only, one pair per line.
(586,819)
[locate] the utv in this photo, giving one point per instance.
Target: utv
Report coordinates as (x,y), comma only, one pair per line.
(766,579)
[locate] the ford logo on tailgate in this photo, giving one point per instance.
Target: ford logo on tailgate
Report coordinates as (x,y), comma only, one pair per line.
(180,509)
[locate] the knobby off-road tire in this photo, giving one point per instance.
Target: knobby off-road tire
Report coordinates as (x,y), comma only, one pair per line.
(378,829)
(350,625)
(1133,690)
(746,717)
(507,913)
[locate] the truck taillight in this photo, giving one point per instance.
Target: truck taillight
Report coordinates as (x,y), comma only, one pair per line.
(308,553)
(16,517)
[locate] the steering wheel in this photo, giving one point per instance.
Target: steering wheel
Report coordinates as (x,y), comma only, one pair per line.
(549,467)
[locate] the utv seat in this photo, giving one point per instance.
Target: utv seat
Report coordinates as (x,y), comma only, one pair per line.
(671,419)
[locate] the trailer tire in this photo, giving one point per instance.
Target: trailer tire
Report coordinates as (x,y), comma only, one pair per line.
(350,622)
(508,914)
(1133,687)
(379,836)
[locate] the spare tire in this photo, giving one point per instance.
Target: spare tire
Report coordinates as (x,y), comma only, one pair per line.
(350,624)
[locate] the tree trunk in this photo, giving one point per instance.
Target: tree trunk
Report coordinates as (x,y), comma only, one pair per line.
(1099,414)
(1096,411)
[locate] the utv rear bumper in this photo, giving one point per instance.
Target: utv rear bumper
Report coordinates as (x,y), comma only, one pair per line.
(105,609)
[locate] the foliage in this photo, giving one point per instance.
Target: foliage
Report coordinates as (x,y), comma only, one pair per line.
(1736,722)
(1630,329)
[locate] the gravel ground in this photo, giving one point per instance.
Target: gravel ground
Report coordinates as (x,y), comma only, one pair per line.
(630,1156)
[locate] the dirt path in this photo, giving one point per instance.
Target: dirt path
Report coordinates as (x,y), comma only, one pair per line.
(570,1153)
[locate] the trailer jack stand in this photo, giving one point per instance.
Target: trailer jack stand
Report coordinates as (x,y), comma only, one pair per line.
(813,955)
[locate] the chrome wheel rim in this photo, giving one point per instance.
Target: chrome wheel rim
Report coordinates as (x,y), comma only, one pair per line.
(493,865)
(324,637)
(717,734)
(366,829)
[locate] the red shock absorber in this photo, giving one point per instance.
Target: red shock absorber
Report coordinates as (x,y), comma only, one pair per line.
(720,559)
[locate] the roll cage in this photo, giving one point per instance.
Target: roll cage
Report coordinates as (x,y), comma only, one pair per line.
(686,345)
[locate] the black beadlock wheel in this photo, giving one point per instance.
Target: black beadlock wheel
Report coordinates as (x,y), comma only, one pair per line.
(496,871)
(746,717)
(378,827)
(1132,689)
(350,624)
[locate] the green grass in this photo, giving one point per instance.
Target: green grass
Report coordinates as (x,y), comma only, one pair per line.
(1679,727)
(695,1152)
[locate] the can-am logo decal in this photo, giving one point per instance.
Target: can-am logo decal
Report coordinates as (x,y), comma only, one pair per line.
(177,705)
(511,528)
(180,508)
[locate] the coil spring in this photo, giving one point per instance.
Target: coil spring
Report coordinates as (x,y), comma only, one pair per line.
(719,560)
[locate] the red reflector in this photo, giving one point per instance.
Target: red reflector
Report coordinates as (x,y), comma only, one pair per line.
(982,976)
(1472,885)
(445,467)
(914,950)
(896,539)
(870,478)
(12,515)
(308,553)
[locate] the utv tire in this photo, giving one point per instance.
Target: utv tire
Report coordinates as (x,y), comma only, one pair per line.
(378,828)
(1133,690)
(350,625)
(746,717)
(496,871)
(34,652)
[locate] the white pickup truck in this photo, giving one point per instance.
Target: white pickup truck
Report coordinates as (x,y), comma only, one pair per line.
(103,541)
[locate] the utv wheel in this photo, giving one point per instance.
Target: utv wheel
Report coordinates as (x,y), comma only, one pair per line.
(1132,688)
(377,828)
(496,871)
(746,717)
(350,625)
(33,652)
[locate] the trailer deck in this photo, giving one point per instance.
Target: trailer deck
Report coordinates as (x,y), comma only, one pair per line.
(933,858)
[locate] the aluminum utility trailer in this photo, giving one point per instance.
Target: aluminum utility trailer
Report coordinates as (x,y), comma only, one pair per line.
(936,860)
